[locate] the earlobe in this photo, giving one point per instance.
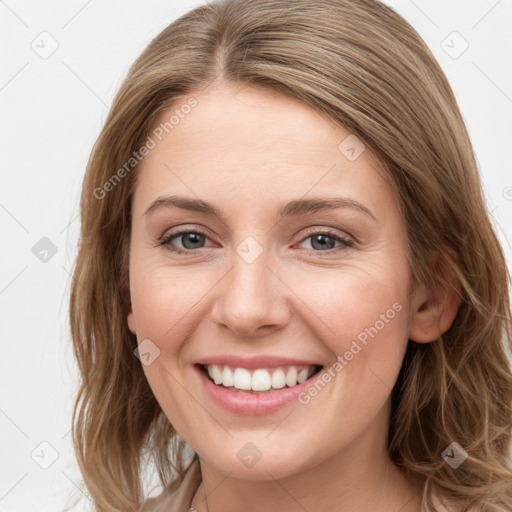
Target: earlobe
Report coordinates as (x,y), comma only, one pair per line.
(131,321)
(434,309)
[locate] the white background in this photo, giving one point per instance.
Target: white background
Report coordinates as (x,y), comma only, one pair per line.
(51,113)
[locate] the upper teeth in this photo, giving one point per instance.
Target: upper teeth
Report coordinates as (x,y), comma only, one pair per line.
(261,379)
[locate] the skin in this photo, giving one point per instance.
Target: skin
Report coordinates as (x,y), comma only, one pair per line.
(248,151)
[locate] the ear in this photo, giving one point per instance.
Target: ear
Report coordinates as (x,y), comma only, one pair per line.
(434,308)
(131,321)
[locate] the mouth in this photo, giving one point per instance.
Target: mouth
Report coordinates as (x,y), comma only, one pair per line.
(258,380)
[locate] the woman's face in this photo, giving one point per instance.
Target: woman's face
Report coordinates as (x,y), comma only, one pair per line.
(272,287)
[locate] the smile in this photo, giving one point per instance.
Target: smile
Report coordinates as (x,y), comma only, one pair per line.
(259,379)
(257,386)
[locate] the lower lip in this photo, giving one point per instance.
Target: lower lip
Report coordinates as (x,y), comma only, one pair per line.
(252,403)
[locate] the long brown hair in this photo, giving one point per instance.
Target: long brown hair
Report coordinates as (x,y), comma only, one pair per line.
(367,69)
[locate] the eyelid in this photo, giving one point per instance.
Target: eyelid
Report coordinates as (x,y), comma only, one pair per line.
(347,240)
(180,230)
(193,227)
(330,231)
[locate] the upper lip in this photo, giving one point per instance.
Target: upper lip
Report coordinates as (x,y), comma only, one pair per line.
(262,361)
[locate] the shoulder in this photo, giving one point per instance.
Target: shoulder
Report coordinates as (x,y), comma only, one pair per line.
(178,495)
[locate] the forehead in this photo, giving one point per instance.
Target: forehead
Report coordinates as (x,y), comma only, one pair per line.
(251,120)
(255,142)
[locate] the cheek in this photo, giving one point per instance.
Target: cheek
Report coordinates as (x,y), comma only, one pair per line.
(169,303)
(151,306)
(164,303)
(368,315)
(362,318)
(347,302)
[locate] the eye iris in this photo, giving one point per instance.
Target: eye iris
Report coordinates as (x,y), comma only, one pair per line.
(194,238)
(320,238)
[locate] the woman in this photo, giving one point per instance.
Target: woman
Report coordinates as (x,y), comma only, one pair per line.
(338,338)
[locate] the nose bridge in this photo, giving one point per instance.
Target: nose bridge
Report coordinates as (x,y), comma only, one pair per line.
(250,297)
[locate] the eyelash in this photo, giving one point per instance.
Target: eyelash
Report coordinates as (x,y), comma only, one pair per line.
(165,241)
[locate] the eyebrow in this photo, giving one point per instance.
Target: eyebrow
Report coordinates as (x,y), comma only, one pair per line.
(293,208)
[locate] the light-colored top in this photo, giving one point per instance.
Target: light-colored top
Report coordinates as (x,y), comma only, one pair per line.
(178,496)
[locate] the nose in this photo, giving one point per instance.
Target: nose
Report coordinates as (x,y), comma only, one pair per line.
(252,300)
